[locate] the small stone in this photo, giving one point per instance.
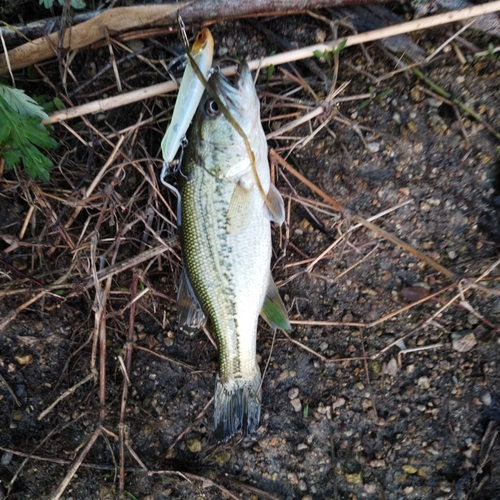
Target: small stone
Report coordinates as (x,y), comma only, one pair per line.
(338,404)
(194,445)
(376,367)
(374,147)
(302,485)
(347,318)
(221,457)
(425,207)
(463,341)
(24,360)
(472,319)
(486,399)
(377,463)
(424,382)
(410,469)
(293,393)
(424,472)
(6,458)
(297,405)
(293,478)
(391,367)
(408,490)
(302,446)
(370,488)
(356,478)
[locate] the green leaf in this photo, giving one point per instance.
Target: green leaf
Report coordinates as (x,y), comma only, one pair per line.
(58,103)
(22,131)
(22,103)
(339,47)
(365,103)
(76,4)
(384,94)
(270,71)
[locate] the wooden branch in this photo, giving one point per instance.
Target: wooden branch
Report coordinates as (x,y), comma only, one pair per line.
(294,55)
(91,31)
(121,19)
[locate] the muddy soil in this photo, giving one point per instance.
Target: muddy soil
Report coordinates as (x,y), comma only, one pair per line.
(362,406)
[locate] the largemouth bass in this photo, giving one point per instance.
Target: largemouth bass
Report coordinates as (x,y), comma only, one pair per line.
(226,237)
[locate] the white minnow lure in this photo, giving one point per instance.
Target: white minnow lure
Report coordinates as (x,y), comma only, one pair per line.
(188,97)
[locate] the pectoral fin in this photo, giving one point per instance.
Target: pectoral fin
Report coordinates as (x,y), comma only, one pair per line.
(190,316)
(273,310)
(278,205)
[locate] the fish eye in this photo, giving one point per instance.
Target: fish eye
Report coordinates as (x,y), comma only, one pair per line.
(212,108)
(200,36)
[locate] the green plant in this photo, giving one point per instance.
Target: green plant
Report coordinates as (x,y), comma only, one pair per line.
(327,55)
(374,97)
(22,133)
(76,4)
(492,53)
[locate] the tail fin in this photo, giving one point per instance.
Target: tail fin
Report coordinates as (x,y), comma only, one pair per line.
(237,407)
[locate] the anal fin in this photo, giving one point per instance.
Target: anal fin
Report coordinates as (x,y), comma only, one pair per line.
(273,310)
(190,316)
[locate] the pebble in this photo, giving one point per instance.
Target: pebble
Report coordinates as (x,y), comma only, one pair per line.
(338,404)
(486,398)
(302,485)
(424,382)
(222,457)
(297,405)
(391,367)
(6,458)
(374,147)
(356,478)
(302,446)
(410,469)
(194,445)
(293,393)
(24,360)
(463,342)
(370,488)
(293,478)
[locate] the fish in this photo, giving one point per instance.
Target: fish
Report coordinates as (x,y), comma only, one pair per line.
(188,97)
(225,236)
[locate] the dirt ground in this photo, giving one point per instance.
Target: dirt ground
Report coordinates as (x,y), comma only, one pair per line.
(364,404)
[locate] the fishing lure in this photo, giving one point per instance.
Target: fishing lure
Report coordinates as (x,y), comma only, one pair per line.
(189,96)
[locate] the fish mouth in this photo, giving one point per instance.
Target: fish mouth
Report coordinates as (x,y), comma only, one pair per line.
(232,90)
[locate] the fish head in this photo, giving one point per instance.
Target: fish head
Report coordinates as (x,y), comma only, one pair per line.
(222,146)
